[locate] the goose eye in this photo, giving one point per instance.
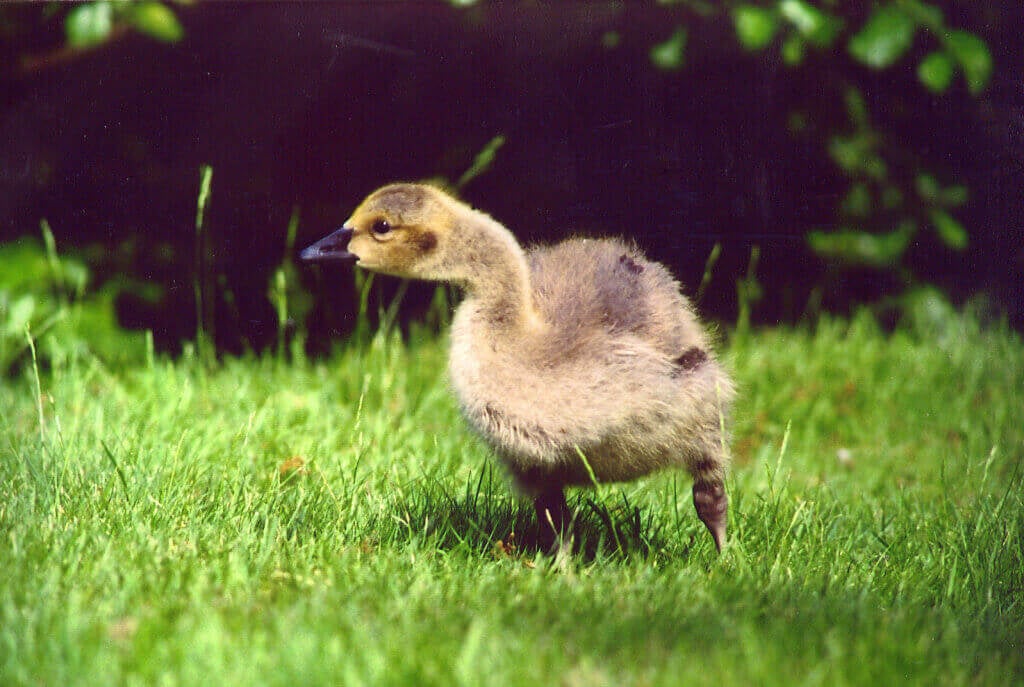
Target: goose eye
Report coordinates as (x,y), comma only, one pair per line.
(381,226)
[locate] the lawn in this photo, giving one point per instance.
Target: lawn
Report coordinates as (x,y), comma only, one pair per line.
(333,522)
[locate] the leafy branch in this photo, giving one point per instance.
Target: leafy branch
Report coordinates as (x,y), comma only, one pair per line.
(874,199)
(92,23)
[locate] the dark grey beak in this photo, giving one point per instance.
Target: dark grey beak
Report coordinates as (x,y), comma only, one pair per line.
(331,248)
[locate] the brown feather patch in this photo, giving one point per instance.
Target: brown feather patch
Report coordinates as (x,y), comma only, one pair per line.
(630,264)
(691,358)
(426,241)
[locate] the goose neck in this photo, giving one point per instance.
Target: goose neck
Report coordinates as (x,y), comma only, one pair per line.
(498,279)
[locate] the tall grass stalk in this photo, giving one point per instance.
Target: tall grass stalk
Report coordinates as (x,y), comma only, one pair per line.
(203,283)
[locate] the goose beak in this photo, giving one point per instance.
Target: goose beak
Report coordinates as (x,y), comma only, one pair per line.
(331,248)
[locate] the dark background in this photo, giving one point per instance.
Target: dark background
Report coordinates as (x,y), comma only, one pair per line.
(312,106)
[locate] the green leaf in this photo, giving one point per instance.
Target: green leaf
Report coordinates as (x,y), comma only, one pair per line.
(936,72)
(670,54)
(950,231)
(813,24)
(927,187)
(885,38)
(974,57)
(861,247)
(848,153)
(755,26)
(803,15)
(929,190)
(89,24)
(857,108)
(857,202)
(156,20)
(926,15)
(793,50)
(856,155)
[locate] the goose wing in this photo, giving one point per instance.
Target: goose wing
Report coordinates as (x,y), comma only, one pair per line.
(606,287)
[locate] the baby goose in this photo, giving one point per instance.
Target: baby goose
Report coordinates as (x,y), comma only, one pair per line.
(575,362)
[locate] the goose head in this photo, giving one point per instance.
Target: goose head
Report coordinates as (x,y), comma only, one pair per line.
(405,230)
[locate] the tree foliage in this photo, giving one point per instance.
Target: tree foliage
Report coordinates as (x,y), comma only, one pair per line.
(92,23)
(837,64)
(882,212)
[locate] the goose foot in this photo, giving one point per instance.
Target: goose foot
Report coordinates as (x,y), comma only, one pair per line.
(712,507)
(553,518)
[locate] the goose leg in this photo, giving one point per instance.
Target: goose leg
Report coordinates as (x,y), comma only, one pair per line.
(712,507)
(552,516)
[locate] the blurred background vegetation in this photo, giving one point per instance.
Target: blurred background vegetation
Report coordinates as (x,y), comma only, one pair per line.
(163,160)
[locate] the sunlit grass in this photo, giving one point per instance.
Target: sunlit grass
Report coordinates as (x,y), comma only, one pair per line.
(333,522)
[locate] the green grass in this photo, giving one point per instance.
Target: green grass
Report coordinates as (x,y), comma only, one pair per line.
(148,534)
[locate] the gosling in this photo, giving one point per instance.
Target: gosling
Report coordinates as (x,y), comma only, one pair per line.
(576,362)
